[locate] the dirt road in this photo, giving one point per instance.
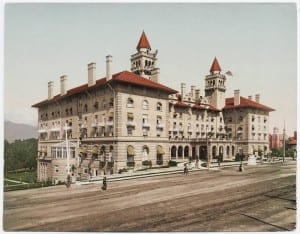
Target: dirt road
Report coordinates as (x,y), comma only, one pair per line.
(262,198)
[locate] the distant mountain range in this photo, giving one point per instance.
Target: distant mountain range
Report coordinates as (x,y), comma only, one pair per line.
(14,131)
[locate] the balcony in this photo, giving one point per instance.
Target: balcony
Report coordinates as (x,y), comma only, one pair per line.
(181,129)
(146,125)
(110,123)
(55,129)
(160,126)
(95,124)
(131,123)
(101,124)
(190,130)
(42,130)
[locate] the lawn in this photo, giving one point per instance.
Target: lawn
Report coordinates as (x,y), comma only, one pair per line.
(25,176)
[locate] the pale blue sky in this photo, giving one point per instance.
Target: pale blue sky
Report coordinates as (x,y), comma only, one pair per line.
(257,42)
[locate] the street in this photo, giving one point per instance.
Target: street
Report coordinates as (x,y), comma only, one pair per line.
(262,198)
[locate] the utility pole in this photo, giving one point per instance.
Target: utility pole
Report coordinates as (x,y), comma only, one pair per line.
(283,143)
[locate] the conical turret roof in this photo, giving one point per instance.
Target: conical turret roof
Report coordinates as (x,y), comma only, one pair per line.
(215,66)
(143,42)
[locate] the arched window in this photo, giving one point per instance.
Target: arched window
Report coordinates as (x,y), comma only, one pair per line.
(180,151)
(145,105)
(130,156)
(227,151)
(145,153)
(214,151)
(186,152)
(159,106)
(173,151)
(130,102)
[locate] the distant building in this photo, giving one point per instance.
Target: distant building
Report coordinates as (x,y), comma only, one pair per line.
(276,139)
(127,119)
(292,142)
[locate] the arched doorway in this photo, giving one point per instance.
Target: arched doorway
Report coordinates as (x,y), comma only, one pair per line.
(194,153)
(227,151)
(186,152)
(203,152)
(221,153)
(180,151)
(214,152)
(173,152)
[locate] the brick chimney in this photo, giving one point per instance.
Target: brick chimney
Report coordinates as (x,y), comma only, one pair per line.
(63,85)
(108,67)
(183,90)
(257,97)
(91,74)
(236,97)
(50,90)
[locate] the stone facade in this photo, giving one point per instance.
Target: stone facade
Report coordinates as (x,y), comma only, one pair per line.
(128,119)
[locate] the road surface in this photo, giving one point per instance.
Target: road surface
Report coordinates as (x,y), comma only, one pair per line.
(262,198)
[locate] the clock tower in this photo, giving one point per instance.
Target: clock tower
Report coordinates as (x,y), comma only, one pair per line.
(143,62)
(215,86)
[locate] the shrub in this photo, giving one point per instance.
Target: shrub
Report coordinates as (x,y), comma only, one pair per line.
(172,163)
(122,170)
(203,164)
(159,162)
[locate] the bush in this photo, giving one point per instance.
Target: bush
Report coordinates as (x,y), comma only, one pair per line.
(122,170)
(159,162)
(172,163)
(203,164)
(146,163)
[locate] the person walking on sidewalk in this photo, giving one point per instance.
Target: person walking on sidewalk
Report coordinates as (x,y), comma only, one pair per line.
(104,185)
(185,170)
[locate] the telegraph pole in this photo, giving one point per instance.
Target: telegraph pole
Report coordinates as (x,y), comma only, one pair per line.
(283,143)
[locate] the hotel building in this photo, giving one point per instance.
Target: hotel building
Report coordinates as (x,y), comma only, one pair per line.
(127,119)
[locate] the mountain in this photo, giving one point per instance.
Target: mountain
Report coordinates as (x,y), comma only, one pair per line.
(14,131)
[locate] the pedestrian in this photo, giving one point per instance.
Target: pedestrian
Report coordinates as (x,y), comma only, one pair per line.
(104,185)
(185,170)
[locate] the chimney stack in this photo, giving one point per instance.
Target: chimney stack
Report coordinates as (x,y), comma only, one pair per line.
(91,74)
(108,67)
(63,85)
(236,97)
(183,90)
(197,94)
(50,90)
(257,97)
(193,88)
(250,97)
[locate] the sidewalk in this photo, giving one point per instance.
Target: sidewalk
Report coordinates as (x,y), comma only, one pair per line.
(155,172)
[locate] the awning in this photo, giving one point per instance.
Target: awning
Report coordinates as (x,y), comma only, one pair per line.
(111,114)
(130,150)
(160,150)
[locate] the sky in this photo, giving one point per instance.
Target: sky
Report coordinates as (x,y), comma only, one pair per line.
(257,42)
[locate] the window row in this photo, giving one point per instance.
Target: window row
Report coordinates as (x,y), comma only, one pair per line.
(145,104)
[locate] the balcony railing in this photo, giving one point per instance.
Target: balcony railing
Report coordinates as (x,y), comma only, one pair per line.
(42,130)
(110,123)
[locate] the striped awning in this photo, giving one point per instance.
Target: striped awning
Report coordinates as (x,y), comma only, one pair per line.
(160,150)
(130,150)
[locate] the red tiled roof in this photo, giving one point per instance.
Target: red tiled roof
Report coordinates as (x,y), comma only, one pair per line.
(143,42)
(204,107)
(245,102)
(215,66)
(124,77)
(181,104)
(292,141)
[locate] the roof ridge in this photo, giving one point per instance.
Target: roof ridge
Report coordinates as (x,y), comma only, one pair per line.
(143,42)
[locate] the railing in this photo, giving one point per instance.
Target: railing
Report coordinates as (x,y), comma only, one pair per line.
(146,125)
(159,125)
(131,123)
